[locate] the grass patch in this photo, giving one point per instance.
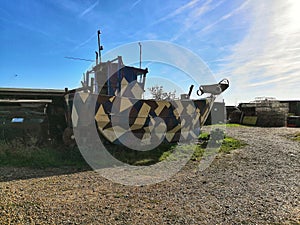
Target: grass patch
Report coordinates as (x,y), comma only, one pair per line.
(296,136)
(224,143)
(218,139)
(204,136)
(234,125)
(198,153)
(230,143)
(227,125)
(19,155)
(183,150)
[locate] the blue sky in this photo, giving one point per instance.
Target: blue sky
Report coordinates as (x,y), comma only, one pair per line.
(254,43)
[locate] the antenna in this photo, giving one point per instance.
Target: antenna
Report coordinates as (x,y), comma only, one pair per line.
(74,58)
(140,54)
(100,47)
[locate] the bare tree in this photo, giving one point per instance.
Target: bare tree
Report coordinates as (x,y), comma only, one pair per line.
(158,93)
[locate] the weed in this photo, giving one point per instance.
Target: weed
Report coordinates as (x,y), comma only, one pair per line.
(230,144)
(296,136)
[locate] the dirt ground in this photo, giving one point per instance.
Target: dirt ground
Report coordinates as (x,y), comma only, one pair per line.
(258,184)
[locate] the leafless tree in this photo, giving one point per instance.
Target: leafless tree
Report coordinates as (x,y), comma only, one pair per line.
(158,93)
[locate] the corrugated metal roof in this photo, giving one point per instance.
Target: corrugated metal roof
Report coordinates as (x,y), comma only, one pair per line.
(31,91)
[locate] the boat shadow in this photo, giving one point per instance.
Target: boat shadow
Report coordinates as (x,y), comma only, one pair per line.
(9,173)
(34,167)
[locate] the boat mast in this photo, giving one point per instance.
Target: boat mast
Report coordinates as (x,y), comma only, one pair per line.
(140,54)
(100,47)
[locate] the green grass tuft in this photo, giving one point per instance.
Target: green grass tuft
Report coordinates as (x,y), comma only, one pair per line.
(296,137)
(234,125)
(198,153)
(227,125)
(230,144)
(204,136)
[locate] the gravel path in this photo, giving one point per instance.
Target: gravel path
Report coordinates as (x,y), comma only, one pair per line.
(258,184)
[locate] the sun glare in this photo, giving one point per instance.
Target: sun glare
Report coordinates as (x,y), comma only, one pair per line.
(293,16)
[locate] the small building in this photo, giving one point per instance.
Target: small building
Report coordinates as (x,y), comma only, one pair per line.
(217,114)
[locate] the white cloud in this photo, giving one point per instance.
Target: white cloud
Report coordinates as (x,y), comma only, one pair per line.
(267,60)
(135,4)
(225,17)
(84,42)
(88,9)
(68,5)
(192,17)
(178,11)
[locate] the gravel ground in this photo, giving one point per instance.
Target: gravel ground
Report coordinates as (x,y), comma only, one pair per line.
(258,184)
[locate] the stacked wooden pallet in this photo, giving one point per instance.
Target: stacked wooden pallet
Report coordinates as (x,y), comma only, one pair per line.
(265,113)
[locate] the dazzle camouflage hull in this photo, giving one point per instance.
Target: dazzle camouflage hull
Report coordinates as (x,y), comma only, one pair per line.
(118,118)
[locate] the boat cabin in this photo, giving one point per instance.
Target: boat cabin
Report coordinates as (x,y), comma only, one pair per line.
(113,78)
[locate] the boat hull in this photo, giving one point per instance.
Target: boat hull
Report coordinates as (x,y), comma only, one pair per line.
(121,120)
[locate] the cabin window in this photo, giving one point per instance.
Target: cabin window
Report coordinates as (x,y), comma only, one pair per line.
(17,120)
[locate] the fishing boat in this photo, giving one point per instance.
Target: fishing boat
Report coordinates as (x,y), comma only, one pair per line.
(111,98)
